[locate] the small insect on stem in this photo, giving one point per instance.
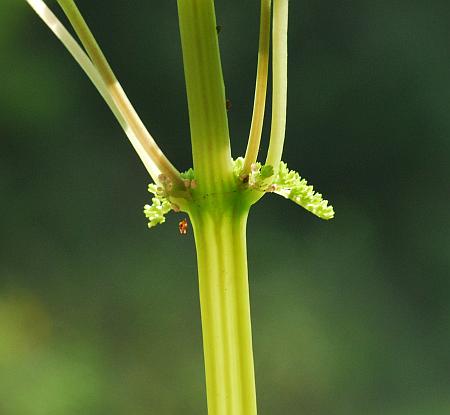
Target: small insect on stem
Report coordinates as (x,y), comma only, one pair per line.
(183,227)
(228,104)
(218,29)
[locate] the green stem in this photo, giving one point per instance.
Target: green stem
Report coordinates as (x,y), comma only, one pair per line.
(218,214)
(225,308)
(206,96)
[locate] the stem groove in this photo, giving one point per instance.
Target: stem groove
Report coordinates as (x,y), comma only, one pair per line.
(220,237)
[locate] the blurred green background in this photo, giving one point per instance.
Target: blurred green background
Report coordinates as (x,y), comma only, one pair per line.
(99,315)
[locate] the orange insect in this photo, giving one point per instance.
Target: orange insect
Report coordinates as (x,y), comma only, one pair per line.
(183,227)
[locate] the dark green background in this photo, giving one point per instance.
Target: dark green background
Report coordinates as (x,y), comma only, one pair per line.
(99,315)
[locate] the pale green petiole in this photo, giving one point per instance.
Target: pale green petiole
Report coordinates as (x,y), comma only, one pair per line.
(279,93)
(262,75)
(115,89)
(105,82)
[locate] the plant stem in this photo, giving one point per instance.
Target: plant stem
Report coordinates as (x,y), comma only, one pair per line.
(279,92)
(219,215)
(206,96)
(220,236)
(262,74)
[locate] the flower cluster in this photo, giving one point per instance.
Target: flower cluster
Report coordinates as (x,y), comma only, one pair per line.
(286,183)
(155,213)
